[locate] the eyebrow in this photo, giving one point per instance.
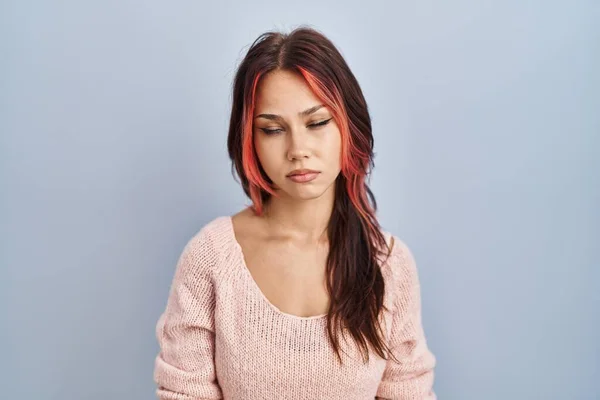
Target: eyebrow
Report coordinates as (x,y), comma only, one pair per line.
(304,113)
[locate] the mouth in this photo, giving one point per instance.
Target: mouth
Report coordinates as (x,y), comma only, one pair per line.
(302,172)
(303,176)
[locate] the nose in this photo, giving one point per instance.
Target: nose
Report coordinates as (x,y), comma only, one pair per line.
(299,146)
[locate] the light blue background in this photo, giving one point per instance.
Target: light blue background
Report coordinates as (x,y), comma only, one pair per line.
(113,121)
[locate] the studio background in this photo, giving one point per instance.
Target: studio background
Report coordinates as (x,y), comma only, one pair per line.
(113,122)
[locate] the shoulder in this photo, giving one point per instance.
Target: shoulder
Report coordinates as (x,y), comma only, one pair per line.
(401,266)
(206,246)
(401,252)
(212,233)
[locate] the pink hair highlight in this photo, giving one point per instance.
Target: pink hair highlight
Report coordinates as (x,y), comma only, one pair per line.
(249,157)
(354,162)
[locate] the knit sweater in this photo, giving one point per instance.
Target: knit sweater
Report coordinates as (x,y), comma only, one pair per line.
(221,338)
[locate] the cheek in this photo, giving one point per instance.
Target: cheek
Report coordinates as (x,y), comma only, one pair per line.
(260,146)
(267,153)
(334,147)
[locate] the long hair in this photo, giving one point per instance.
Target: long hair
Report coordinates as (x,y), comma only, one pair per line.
(355,282)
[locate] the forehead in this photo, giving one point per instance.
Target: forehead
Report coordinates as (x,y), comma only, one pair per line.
(284,92)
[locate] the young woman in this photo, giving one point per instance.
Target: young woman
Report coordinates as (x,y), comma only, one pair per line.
(301,295)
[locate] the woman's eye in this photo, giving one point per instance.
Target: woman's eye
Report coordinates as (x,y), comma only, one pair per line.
(276,131)
(322,123)
(270,131)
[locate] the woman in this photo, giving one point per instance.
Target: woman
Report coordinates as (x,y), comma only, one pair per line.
(301,295)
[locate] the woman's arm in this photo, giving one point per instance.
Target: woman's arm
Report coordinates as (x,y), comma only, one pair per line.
(184,367)
(412,378)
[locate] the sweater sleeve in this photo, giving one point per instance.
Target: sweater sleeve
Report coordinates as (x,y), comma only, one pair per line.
(412,377)
(184,367)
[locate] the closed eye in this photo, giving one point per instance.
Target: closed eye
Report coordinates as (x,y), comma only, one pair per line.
(316,125)
(322,123)
(270,131)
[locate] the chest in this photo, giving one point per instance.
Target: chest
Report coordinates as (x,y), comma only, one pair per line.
(291,277)
(272,356)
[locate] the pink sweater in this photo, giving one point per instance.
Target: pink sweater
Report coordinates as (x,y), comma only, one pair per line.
(220,337)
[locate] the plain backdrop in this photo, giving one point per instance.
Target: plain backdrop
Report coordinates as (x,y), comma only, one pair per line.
(113,123)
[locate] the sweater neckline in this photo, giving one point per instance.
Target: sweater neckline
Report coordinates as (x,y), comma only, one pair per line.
(242,261)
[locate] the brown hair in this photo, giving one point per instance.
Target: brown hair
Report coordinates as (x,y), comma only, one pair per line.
(354,280)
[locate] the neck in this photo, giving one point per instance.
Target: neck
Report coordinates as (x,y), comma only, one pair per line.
(304,221)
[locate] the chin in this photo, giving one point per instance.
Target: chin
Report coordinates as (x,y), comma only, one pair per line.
(305,193)
(306,196)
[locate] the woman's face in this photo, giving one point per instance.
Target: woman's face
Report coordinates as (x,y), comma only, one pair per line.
(286,139)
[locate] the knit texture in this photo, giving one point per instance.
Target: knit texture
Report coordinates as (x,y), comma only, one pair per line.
(221,338)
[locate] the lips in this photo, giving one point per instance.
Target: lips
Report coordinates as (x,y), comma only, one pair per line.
(302,172)
(303,176)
